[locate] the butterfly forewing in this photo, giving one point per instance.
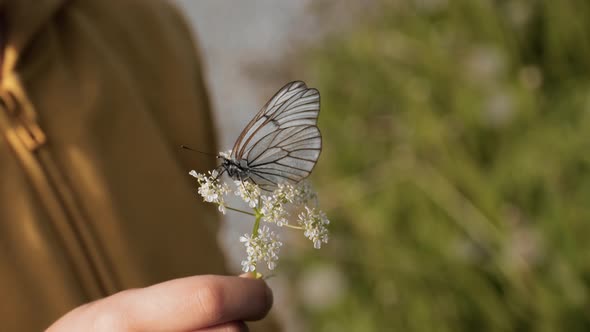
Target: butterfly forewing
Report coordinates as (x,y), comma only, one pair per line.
(282,142)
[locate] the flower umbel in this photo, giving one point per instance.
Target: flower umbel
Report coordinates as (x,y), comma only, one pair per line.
(211,189)
(248,191)
(273,206)
(263,245)
(314,222)
(273,210)
(304,193)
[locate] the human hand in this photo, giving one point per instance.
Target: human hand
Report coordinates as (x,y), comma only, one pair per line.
(200,303)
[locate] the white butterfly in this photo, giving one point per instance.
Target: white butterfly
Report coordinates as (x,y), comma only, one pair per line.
(282,143)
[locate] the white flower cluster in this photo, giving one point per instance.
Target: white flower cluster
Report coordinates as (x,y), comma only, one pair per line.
(314,222)
(273,206)
(212,190)
(248,191)
(264,246)
(304,194)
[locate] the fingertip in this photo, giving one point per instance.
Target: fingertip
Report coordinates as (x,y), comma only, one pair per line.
(268,297)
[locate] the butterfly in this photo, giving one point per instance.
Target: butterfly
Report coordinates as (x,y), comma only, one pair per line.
(282,143)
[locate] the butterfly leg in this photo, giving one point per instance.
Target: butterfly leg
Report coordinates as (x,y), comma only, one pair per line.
(219,173)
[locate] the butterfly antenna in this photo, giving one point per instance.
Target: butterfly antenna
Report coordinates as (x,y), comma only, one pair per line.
(193,150)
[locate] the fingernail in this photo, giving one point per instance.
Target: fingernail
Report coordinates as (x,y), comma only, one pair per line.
(251,275)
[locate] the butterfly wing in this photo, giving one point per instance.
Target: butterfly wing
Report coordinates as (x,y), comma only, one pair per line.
(282,142)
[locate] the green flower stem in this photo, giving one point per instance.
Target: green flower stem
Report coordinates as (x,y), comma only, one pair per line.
(258,217)
(241,211)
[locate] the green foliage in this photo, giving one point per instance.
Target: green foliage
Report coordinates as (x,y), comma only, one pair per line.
(456,167)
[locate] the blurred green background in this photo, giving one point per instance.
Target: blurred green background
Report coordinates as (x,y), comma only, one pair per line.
(455,168)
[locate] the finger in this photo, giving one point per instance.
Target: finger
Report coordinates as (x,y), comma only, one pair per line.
(194,303)
(238,326)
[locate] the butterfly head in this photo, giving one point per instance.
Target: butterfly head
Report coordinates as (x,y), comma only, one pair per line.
(237,170)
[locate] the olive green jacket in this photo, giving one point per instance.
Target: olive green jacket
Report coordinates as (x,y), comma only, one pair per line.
(95,99)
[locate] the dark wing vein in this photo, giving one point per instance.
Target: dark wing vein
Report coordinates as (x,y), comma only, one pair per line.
(280,97)
(282,142)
